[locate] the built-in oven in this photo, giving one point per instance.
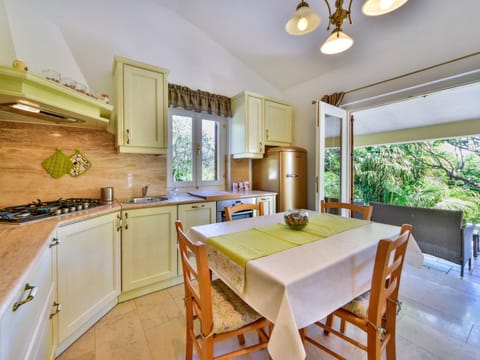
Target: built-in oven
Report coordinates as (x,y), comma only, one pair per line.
(221,204)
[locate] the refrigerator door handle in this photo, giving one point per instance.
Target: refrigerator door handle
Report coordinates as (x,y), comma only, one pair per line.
(292,175)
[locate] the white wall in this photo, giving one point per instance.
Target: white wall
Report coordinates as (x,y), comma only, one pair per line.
(96,31)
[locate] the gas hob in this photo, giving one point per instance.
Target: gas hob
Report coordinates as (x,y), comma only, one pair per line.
(44,209)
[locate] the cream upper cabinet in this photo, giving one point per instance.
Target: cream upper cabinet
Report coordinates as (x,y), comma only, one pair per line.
(258,121)
(278,123)
(88,274)
(26,329)
(246,131)
(269,205)
(149,250)
(141,105)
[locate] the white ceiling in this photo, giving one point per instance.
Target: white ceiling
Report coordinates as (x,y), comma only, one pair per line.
(421,30)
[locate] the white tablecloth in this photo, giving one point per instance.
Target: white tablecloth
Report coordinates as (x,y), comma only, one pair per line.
(301,285)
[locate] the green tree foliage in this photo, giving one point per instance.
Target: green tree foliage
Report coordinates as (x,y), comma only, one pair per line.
(438,174)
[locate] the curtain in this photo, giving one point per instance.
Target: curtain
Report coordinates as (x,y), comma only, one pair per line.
(198,100)
(334,99)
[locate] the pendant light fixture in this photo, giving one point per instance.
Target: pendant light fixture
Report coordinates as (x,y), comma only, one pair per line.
(380,7)
(338,41)
(303,21)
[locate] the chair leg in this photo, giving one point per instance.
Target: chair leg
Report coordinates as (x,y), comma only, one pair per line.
(189,348)
(241,339)
(461,270)
(328,323)
(207,349)
(470,264)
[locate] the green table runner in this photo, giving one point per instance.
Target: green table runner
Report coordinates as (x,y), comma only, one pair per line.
(254,243)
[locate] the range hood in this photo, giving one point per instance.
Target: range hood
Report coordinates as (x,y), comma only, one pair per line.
(30,98)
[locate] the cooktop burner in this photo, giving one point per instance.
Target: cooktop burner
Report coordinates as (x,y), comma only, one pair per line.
(40,209)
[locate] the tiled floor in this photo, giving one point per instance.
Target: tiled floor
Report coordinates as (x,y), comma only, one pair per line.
(440,319)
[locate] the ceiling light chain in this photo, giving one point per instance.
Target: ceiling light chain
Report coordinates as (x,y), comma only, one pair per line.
(305,20)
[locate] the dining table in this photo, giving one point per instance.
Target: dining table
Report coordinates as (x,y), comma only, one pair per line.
(300,276)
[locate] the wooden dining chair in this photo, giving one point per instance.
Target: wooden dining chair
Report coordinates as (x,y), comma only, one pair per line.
(230,210)
(374,312)
(220,312)
(365,211)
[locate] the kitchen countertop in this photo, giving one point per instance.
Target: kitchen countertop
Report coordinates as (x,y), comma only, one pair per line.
(21,244)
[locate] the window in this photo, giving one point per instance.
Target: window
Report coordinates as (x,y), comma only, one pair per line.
(198,143)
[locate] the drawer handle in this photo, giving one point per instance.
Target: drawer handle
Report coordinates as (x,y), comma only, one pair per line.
(58,308)
(54,242)
(196,206)
(32,291)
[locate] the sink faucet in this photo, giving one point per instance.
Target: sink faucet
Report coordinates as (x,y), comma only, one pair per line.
(144,190)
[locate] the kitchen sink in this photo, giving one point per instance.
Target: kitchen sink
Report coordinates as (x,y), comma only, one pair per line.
(147,199)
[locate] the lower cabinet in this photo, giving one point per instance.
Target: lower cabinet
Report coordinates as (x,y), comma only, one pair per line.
(149,250)
(195,215)
(88,275)
(268,204)
(26,330)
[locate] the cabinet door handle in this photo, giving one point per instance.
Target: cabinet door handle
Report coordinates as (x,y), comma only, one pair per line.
(55,242)
(196,206)
(128,136)
(31,293)
(58,308)
(120,222)
(266,134)
(126,221)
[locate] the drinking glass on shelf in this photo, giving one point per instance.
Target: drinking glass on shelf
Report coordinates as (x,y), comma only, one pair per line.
(52,75)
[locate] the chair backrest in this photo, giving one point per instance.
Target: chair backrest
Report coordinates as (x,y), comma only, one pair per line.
(386,276)
(197,281)
(365,211)
(230,210)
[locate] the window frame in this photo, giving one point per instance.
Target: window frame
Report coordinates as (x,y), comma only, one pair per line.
(197,183)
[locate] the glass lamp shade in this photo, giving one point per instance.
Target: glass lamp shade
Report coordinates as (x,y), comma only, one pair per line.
(380,7)
(336,43)
(304,20)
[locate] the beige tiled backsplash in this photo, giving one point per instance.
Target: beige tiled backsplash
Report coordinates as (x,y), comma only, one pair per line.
(23,147)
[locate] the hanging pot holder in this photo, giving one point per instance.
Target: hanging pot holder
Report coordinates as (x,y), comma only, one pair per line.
(58,164)
(80,164)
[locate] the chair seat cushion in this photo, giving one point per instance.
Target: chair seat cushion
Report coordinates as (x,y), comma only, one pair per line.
(359,305)
(229,311)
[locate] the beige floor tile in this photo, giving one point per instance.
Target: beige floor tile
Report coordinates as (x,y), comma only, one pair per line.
(121,338)
(82,349)
(167,340)
(157,308)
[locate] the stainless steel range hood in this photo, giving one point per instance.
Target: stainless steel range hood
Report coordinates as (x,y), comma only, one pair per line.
(31,98)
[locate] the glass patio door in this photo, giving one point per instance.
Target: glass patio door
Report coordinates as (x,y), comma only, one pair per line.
(332,160)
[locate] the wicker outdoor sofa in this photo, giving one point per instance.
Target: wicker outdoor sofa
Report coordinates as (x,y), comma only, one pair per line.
(438,232)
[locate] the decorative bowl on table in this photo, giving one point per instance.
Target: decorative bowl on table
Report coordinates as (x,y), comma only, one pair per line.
(296,219)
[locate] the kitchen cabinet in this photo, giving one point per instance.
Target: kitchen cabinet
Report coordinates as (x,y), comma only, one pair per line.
(88,274)
(278,123)
(195,215)
(149,250)
(140,117)
(246,131)
(269,204)
(26,329)
(258,121)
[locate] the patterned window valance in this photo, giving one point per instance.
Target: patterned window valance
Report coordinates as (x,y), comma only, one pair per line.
(198,100)
(334,99)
